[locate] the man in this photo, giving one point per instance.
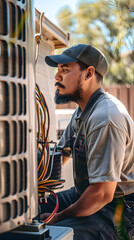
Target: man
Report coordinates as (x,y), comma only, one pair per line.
(100,137)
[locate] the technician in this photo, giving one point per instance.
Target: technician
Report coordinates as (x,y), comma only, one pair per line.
(100,139)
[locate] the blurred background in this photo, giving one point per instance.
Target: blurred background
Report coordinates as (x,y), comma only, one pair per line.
(106,24)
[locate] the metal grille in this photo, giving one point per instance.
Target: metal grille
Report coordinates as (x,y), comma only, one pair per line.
(14,114)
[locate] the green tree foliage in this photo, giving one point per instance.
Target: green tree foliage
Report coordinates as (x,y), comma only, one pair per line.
(65,18)
(109,26)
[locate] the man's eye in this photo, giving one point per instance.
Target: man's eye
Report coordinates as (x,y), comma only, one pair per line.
(64,70)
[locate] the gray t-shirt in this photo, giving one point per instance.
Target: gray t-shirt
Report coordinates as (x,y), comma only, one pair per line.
(101,139)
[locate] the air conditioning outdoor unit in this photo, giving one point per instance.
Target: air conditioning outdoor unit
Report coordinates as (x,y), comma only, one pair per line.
(18,161)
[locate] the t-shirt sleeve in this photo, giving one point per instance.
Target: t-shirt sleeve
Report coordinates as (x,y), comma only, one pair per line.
(106,151)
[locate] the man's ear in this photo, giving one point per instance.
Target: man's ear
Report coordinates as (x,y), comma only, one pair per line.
(90,72)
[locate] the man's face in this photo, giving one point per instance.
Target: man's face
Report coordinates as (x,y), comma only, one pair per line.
(68,83)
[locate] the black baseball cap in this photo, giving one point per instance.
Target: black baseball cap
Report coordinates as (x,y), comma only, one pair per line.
(87,54)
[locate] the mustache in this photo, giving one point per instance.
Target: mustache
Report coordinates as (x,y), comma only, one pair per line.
(59,84)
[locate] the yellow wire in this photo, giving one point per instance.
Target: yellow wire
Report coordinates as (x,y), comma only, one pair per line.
(44,153)
(47,181)
(44,132)
(44,125)
(44,110)
(47,164)
(44,167)
(38,117)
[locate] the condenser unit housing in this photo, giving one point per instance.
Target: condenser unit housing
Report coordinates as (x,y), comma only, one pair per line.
(18,177)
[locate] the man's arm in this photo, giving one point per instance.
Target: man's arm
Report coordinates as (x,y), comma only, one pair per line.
(95,197)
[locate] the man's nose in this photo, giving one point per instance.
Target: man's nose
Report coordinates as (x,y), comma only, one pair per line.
(58,76)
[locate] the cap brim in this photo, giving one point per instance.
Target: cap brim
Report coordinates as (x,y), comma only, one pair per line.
(53,60)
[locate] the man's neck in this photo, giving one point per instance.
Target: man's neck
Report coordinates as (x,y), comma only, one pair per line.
(86,97)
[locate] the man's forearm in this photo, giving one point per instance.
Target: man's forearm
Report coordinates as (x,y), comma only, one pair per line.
(82,208)
(92,200)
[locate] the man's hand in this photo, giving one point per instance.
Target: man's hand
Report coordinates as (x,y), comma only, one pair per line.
(54,220)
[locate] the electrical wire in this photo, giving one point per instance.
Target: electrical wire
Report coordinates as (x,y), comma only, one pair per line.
(56,207)
(43,101)
(45,165)
(51,167)
(43,119)
(45,168)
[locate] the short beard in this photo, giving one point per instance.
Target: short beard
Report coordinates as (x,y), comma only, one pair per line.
(62,99)
(65,98)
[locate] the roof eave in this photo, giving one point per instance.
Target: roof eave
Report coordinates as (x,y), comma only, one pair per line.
(51,32)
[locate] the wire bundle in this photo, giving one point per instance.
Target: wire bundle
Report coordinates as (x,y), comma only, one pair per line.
(45,185)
